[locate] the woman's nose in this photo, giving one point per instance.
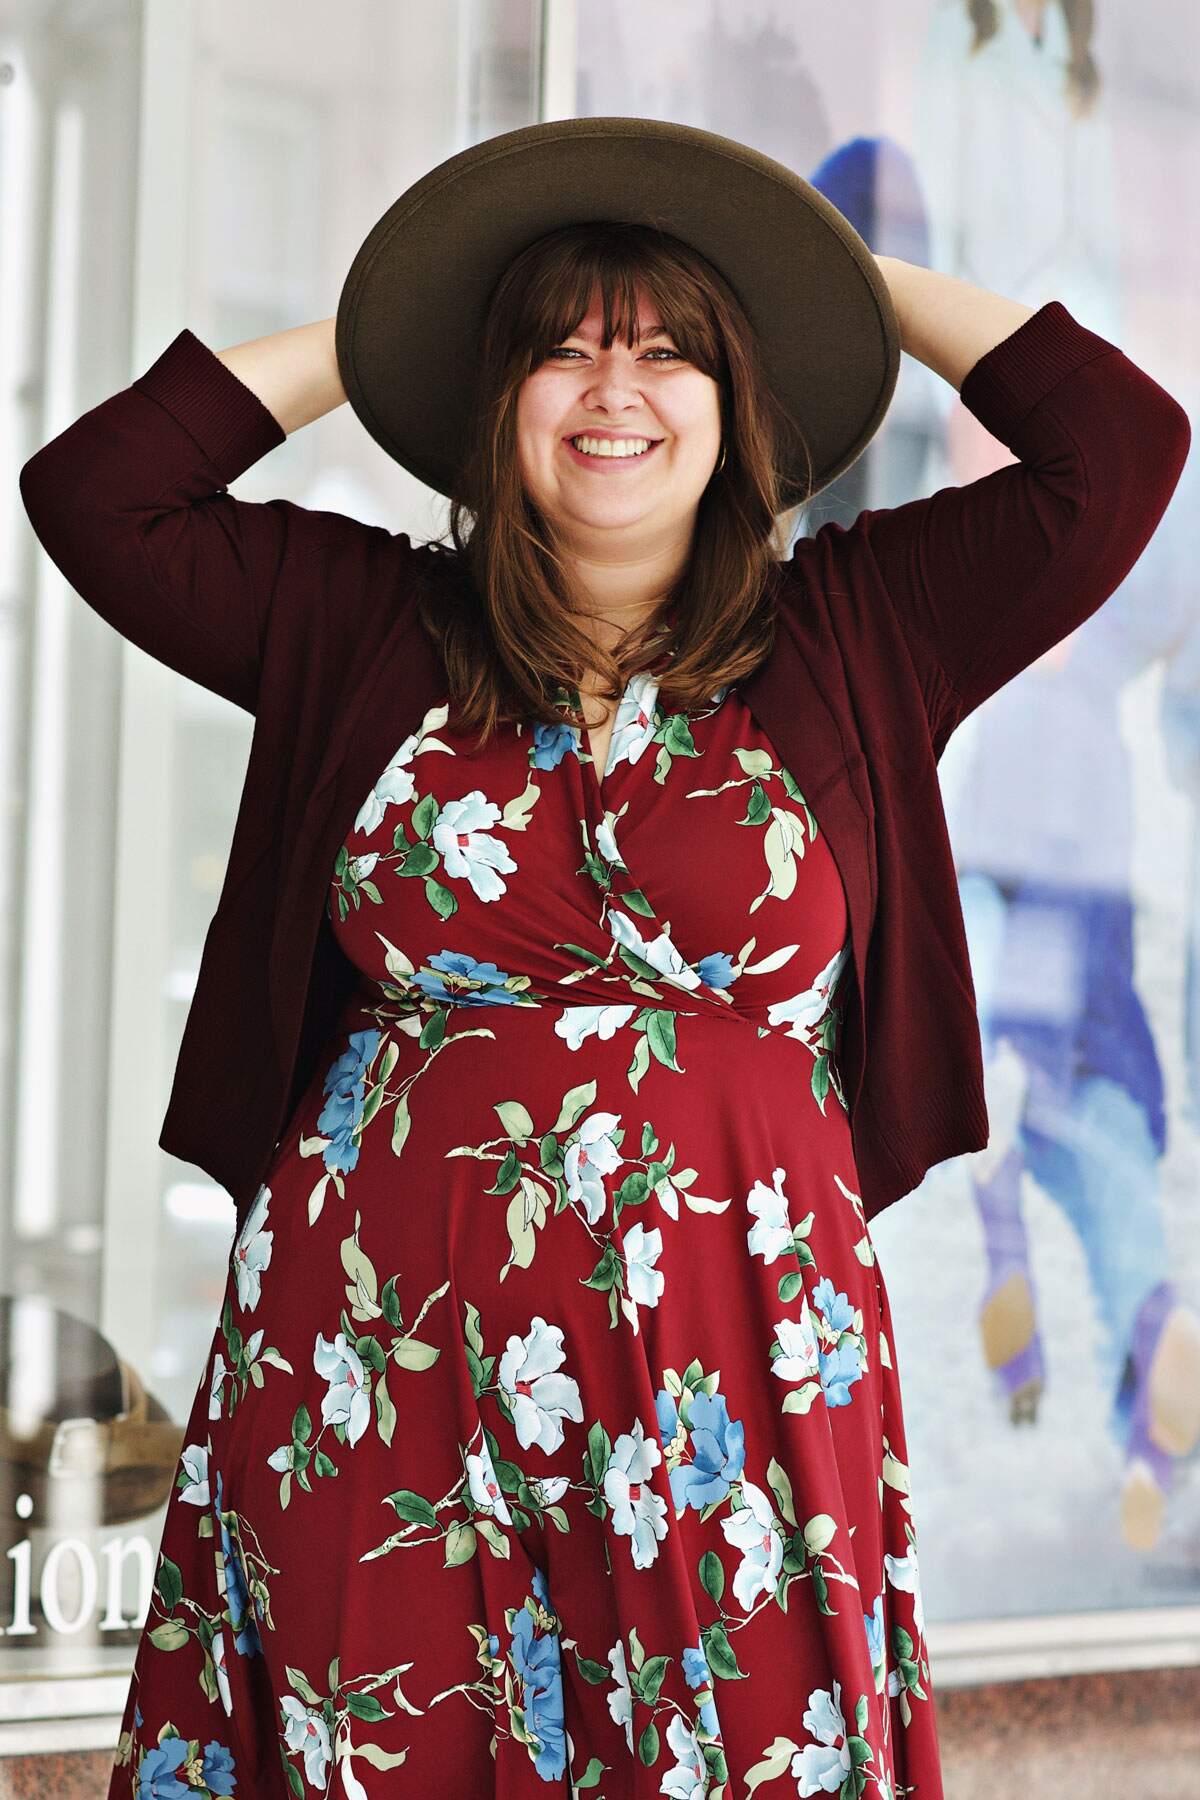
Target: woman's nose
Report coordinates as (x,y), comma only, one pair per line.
(613,388)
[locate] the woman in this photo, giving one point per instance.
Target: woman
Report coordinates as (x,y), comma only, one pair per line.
(552,1437)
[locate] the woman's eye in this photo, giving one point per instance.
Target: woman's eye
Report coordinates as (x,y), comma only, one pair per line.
(566,350)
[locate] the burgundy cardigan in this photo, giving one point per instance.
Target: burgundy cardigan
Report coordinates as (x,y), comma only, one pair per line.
(890,633)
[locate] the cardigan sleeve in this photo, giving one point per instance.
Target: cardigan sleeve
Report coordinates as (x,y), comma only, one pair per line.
(130,503)
(986,577)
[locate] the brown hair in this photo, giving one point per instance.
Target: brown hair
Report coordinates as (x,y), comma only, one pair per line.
(504,626)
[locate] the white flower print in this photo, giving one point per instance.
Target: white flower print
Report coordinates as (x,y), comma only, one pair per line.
(803,1012)
(195,1463)
(688,1780)
(903,1573)
(659,952)
(638,1512)
(485,1487)
(217,1652)
(548,1489)
(395,787)
(798,1341)
(361,868)
(216,1382)
(772,1235)
(633,726)
(467,848)
(345,1401)
(606,844)
(752,1531)
(588,1160)
(304,1729)
(574,1023)
(540,1396)
(620,1699)
(252,1252)
(823,1767)
(642,1250)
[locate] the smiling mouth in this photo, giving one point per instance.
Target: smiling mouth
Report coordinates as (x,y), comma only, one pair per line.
(609,458)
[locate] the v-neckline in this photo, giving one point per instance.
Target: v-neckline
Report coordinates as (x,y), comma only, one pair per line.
(600,767)
(600,772)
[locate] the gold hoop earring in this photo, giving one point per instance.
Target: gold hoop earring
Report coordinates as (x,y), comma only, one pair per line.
(721,464)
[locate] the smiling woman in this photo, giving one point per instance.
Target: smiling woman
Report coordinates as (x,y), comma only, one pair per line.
(574,553)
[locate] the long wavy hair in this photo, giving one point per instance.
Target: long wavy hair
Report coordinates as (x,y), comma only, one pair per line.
(505,620)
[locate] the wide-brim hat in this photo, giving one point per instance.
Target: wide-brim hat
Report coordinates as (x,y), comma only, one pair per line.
(411,311)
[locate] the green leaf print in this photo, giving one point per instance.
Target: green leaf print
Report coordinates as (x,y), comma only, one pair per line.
(424,816)
(575,1103)
(598,1454)
(172,1634)
(440,898)
(648,1745)
(460,1544)
(660,1036)
(719,1653)
(515,1119)
(169,1583)
(418,861)
(758,806)
(820,1532)
(781,1487)
(712,1575)
(650,1678)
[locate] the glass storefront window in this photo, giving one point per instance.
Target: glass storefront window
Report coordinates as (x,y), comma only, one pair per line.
(240,156)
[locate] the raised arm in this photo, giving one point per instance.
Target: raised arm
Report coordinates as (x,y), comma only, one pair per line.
(129,501)
(945,322)
(294,372)
(985,577)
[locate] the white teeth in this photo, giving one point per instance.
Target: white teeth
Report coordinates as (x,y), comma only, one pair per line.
(611,446)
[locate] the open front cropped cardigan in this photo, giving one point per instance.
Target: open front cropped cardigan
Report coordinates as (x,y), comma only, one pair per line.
(889,634)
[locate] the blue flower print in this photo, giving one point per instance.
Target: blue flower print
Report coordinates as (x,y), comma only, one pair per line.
(157,1777)
(716,971)
(836,1308)
(450,986)
(841,1367)
(550,744)
(241,1613)
(697,1673)
(541,1592)
(717,1444)
(217,1769)
(340,1115)
(875,1634)
(537,1660)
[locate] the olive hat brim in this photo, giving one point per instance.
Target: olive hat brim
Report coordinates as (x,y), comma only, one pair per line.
(411,310)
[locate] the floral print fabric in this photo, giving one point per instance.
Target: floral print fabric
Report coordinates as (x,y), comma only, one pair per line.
(551,1437)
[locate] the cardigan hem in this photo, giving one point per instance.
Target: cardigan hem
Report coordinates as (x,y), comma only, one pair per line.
(1033,359)
(214,406)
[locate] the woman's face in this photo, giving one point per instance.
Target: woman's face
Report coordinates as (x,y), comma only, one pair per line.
(647,392)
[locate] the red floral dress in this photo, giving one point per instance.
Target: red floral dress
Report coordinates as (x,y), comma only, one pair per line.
(551,1437)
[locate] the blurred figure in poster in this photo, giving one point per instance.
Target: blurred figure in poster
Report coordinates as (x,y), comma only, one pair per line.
(1074,1077)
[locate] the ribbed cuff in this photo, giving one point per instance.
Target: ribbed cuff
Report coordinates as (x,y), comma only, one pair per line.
(1009,379)
(225,417)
